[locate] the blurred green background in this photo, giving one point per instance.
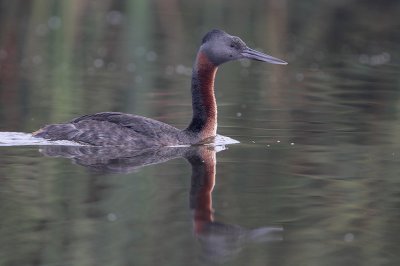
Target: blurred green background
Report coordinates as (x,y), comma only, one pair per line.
(319,152)
(60,59)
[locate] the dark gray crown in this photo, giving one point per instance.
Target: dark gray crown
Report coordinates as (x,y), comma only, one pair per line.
(215,33)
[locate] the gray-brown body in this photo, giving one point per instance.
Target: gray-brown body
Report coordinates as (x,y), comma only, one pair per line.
(114,129)
(119,129)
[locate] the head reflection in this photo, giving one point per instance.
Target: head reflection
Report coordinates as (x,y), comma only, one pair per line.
(219,241)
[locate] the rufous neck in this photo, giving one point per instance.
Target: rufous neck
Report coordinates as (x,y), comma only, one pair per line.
(204,121)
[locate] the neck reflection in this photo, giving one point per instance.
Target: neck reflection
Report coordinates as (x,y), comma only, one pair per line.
(219,241)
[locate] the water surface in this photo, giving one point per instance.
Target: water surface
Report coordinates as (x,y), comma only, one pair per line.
(314,181)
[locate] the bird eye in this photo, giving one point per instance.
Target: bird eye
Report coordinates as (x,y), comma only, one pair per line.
(232,45)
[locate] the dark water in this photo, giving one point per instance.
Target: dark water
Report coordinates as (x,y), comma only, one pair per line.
(314,181)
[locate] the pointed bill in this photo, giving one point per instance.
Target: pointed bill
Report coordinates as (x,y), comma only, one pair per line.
(256,55)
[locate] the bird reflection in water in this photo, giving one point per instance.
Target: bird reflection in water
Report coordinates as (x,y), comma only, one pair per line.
(220,241)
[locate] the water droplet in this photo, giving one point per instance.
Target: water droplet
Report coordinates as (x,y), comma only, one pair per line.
(379,59)
(278,141)
(114,17)
(292,143)
(349,237)
(54,22)
(180,69)
(151,56)
(238,114)
(98,63)
(112,217)
(386,57)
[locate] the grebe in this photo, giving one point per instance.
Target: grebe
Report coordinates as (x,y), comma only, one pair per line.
(119,129)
